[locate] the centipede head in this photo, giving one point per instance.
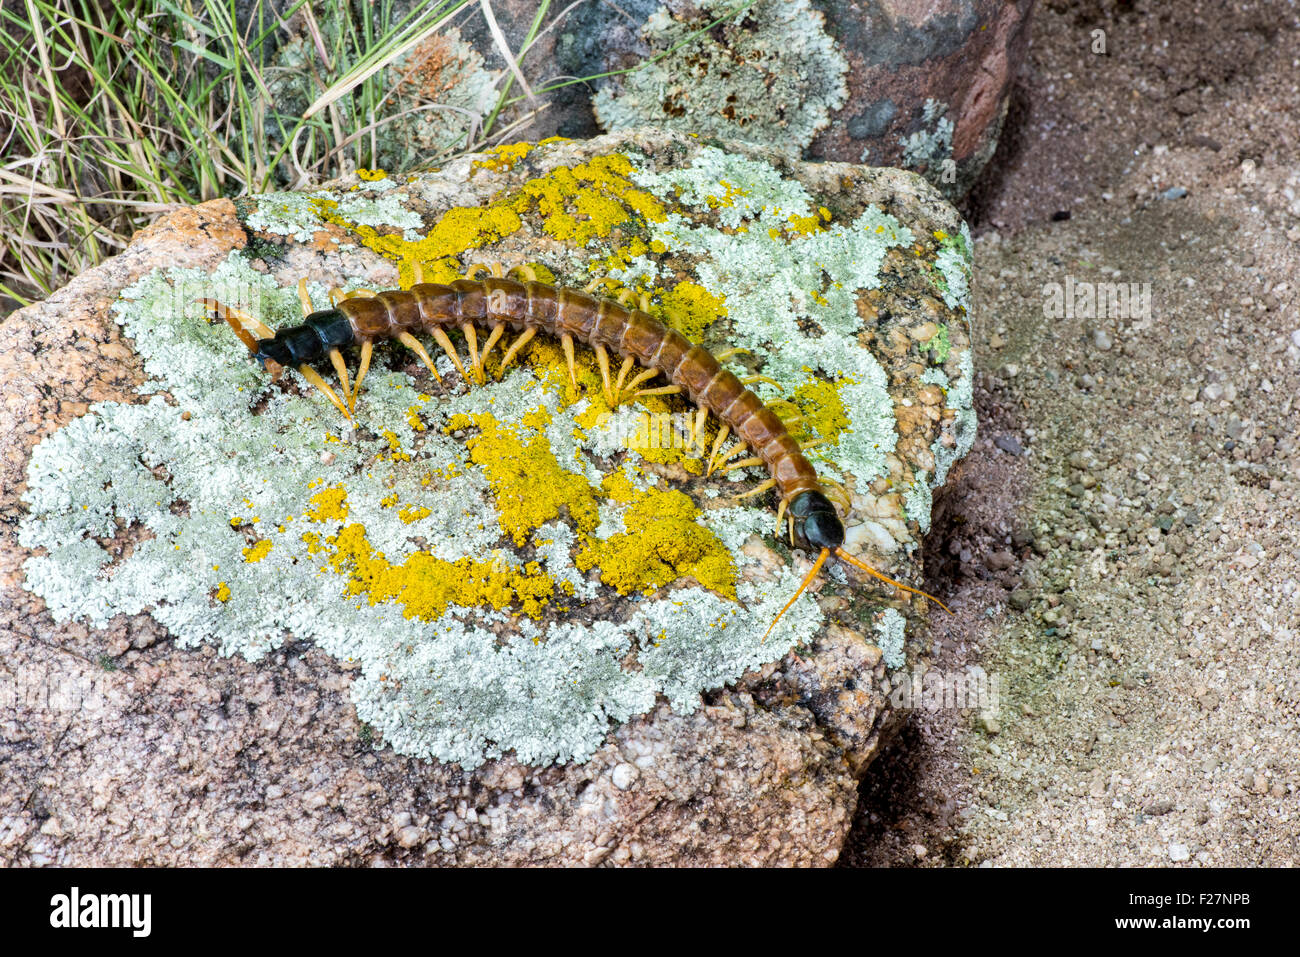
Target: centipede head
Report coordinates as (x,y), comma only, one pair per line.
(817,527)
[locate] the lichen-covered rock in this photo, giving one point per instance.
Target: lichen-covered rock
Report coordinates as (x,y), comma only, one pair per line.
(889,82)
(492,624)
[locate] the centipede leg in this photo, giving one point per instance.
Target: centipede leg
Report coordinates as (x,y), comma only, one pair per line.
(602,360)
(311,376)
(524,338)
(728,353)
(731,454)
(525,272)
(341,368)
(751,379)
(304,297)
(757,490)
(662,390)
(697,428)
(367,349)
(493,337)
(845,498)
(742,464)
(643,376)
(414,345)
(417,273)
(566,342)
(780,514)
(628,363)
(441,337)
(723,432)
(471,341)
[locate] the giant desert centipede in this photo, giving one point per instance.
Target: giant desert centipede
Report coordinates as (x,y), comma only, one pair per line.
(528,307)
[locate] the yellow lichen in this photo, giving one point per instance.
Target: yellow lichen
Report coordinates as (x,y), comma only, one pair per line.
(414,513)
(690,309)
(257,551)
(223,591)
(328,505)
(371,175)
(663,543)
(528,483)
(426,586)
(824,413)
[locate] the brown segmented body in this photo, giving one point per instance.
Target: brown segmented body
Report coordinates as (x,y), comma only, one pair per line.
(598,322)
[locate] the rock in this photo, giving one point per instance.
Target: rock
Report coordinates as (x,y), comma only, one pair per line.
(475,697)
(1179,853)
(892,83)
(1008,443)
(1021,599)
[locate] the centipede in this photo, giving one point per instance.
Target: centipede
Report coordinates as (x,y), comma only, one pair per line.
(519,303)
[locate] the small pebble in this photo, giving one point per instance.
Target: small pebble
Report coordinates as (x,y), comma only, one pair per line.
(1101,339)
(1179,852)
(1174,192)
(1009,443)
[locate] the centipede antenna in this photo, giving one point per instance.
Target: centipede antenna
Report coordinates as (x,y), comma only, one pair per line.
(602,360)
(239,321)
(311,376)
(367,350)
(858,563)
(741,464)
(493,337)
(524,338)
(444,340)
(817,566)
(471,342)
(723,432)
(341,368)
(231,316)
(566,341)
(304,297)
(414,345)
(759,489)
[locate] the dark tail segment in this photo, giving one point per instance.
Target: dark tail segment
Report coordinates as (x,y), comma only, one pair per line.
(307,343)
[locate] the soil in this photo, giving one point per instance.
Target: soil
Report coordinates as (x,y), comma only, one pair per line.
(1122,547)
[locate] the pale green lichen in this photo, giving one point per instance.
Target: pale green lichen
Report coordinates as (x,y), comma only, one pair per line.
(954,266)
(918,501)
(770,74)
(891,629)
(928,147)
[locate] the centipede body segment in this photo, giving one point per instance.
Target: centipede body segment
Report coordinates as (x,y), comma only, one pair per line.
(526,308)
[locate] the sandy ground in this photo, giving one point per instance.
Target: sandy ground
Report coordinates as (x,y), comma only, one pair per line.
(1122,548)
